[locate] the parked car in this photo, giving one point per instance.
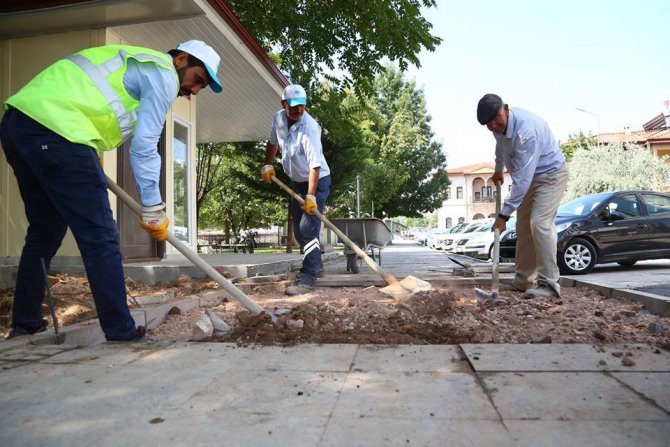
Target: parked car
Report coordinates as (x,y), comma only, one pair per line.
(622,227)
(437,236)
(449,243)
(433,236)
(445,235)
(419,234)
(480,243)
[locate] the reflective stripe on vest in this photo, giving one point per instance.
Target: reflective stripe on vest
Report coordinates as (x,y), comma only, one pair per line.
(99,73)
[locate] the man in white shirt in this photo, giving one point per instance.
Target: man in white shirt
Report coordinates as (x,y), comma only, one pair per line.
(297,136)
(526,146)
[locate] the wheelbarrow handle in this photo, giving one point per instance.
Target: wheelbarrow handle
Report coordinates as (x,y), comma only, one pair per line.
(390,279)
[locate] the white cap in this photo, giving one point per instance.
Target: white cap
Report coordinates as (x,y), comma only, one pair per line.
(208,56)
(294,94)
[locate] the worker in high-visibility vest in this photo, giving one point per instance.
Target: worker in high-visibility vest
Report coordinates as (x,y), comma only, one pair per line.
(52,132)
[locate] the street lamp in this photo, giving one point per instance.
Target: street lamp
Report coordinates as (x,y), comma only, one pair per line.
(598,119)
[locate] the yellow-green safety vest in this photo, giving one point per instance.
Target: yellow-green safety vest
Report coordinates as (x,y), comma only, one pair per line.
(82,97)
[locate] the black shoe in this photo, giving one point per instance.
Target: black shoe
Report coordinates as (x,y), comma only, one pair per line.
(18,332)
(142,336)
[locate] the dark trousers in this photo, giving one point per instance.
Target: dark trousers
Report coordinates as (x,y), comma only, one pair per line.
(306,230)
(62,185)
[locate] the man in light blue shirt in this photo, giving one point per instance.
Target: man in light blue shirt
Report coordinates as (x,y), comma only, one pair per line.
(526,146)
(298,136)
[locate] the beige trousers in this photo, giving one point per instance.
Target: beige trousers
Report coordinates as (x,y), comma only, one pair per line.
(536,231)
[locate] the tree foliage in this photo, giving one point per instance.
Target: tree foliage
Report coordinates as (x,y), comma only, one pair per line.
(385,138)
(233,198)
(576,142)
(616,167)
(405,174)
(314,37)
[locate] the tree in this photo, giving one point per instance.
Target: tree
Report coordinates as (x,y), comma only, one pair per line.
(576,142)
(615,167)
(405,174)
(234,198)
(347,36)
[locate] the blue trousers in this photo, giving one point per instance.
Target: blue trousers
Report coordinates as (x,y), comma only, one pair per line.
(306,230)
(62,185)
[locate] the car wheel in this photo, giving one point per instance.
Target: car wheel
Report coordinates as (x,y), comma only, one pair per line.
(627,263)
(578,258)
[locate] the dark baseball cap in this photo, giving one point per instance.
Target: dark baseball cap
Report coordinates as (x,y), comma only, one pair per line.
(488,107)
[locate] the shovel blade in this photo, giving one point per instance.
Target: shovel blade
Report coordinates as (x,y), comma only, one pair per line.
(395,290)
(408,286)
(414,284)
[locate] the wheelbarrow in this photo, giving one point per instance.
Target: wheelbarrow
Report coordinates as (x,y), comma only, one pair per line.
(369,234)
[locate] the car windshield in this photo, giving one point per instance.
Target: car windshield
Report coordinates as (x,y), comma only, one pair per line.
(457,228)
(485,227)
(582,206)
(472,228)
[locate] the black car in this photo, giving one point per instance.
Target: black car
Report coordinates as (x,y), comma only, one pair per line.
(622,226)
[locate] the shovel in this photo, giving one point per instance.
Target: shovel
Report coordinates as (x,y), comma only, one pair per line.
(481,295)
(254,308)
(395,288)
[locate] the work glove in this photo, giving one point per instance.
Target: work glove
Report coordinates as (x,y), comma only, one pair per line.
(155,221)
(310,205)
(267,173)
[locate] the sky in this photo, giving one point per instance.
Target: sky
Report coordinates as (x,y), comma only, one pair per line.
(608,57)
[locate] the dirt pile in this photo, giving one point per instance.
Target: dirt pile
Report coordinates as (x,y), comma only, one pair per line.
(364,315)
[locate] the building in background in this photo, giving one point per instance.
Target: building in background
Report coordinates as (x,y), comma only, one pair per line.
(655,134)
(471,194)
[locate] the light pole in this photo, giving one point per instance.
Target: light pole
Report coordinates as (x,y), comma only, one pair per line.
(598,121)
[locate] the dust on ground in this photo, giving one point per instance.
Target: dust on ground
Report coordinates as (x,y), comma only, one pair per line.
(365,315)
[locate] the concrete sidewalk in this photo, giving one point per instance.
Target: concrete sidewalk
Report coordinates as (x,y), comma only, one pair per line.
(176,393)
(332,395)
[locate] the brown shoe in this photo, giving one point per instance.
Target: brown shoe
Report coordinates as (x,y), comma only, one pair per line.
(299,288)
(541,291)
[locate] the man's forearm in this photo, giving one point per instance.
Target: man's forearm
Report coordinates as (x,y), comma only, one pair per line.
(270,153)
(313,181)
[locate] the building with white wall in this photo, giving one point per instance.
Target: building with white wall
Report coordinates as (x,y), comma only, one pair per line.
(471,194)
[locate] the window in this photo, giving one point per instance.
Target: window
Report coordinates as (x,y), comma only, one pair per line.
(459,192)
(181,153)
(461,220)
(486,191)
(656,204)
(625,206)
(478,197)
(448,222)
(448,192)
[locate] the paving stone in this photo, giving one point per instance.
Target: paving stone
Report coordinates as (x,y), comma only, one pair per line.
(430,395)
(652,386)
(443,358)
(563,357)
(569,397)
(409,431)
(274,393)
(589,433)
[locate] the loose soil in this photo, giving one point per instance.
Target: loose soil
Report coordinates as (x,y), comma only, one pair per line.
(365,315)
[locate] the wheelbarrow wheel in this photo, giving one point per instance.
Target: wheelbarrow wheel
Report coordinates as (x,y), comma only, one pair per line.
(352,263)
